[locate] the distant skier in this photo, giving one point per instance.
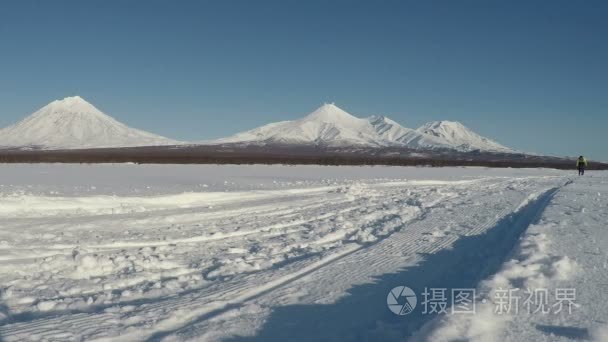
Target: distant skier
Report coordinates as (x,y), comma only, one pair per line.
(581,163)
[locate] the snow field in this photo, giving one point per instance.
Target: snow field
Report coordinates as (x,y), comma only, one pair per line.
(564,249)
(259,255)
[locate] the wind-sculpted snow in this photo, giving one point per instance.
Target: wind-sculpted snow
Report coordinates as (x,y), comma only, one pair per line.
(19,205)
(266,252)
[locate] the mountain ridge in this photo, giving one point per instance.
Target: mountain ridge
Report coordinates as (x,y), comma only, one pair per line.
(460,136)
(329,125)
(74,123)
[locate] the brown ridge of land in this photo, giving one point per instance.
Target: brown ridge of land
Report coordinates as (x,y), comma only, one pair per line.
(290,155)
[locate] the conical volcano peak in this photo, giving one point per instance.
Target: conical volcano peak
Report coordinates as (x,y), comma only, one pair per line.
(74,104)
(71,100)
(73,122)
(329,106)
(329,112)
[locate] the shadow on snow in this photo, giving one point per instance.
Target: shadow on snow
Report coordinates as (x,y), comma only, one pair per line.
(363,315)
(4,311)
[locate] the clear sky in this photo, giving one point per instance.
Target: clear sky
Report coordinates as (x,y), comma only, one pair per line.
(531,74)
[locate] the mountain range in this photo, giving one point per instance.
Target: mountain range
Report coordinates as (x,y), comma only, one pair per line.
(74,123)
(331,126)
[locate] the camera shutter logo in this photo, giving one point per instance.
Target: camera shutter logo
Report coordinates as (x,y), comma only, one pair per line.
(401,300)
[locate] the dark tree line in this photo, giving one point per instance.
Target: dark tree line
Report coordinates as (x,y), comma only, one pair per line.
(286,155)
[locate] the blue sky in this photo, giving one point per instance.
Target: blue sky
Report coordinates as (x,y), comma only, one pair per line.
(531,74)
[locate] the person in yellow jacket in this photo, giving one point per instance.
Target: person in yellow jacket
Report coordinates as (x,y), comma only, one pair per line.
(581,163)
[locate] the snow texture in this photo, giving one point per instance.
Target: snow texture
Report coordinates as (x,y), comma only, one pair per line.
(565,247)
(276,253)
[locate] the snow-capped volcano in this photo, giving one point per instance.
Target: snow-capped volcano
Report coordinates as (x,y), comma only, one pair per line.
(328,125)
(74,123)
(461,137)
(332,126)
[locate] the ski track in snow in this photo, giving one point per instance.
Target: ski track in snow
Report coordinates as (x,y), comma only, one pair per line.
(219,265)
(564,248)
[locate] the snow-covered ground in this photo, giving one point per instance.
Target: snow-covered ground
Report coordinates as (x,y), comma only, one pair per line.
(290,253)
